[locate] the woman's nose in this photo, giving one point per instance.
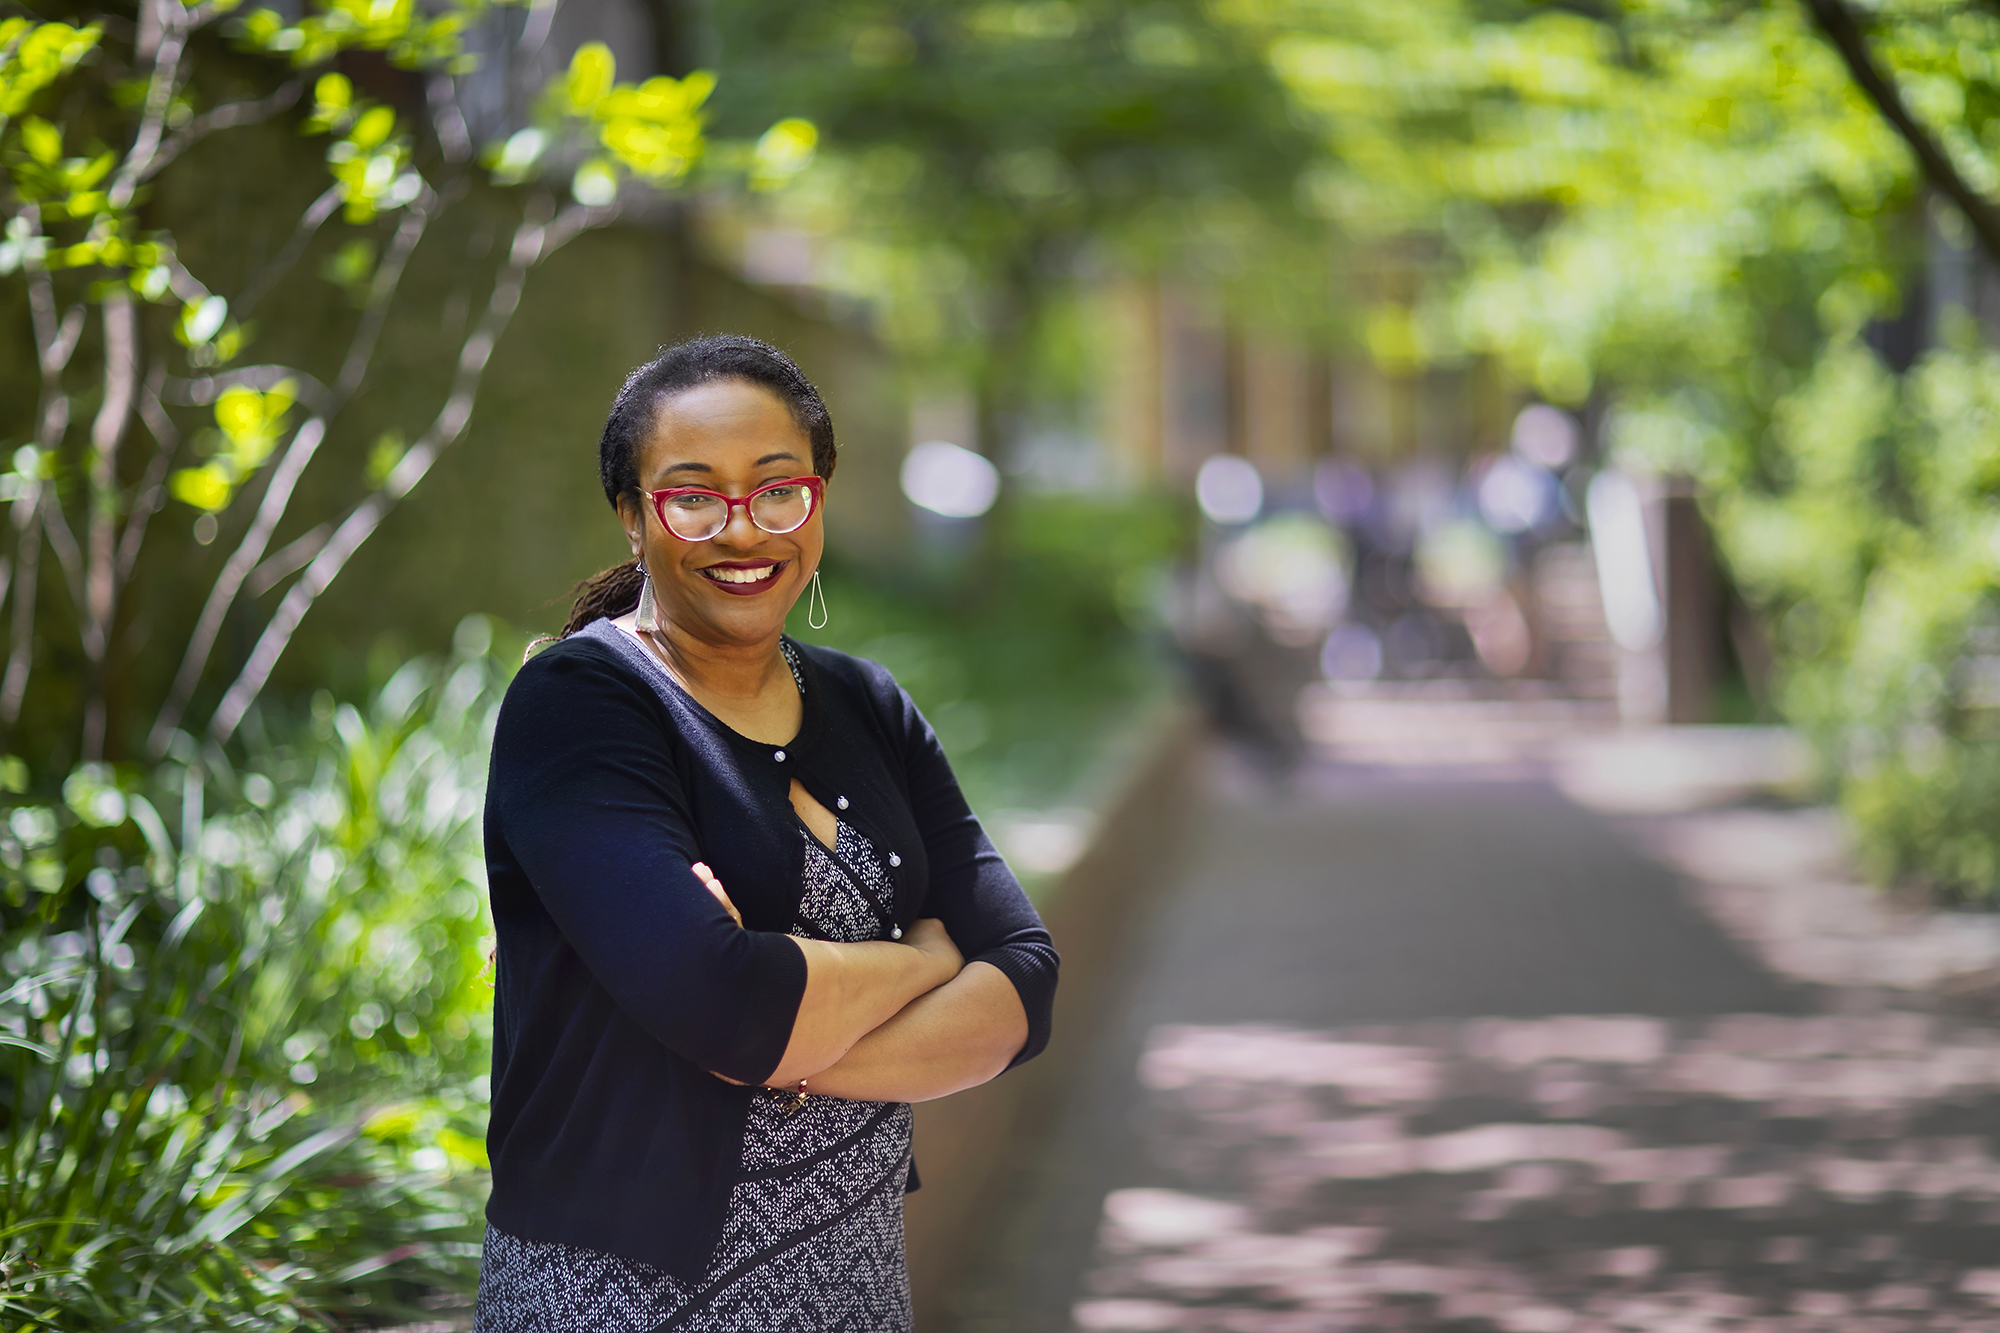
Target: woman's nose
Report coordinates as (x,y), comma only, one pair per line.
(741,529)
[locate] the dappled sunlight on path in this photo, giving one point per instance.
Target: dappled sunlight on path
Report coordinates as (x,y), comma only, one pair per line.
(1563,1175)
(1446,1049)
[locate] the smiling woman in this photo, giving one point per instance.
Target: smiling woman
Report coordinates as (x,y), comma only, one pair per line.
(701,1093)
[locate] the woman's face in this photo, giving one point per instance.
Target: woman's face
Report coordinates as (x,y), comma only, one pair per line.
(737,587)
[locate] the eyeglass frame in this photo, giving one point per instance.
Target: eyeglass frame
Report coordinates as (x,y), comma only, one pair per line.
(815,484)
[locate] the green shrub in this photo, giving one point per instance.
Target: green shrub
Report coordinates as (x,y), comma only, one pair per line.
(1875,544)
(234,1058)
(1933,820)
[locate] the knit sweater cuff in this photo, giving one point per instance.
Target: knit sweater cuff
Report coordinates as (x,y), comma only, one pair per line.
(1032,969)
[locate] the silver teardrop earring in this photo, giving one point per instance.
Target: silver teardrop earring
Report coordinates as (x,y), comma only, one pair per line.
(816,594)
(647,619)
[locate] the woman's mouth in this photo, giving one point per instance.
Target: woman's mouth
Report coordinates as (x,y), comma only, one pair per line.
(745,579)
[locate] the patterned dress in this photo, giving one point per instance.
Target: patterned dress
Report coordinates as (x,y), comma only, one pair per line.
(814,1238)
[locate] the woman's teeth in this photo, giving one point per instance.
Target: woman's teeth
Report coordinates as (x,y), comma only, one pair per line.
(741,575)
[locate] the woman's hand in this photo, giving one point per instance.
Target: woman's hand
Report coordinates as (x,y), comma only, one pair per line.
(955,1037)
(714,886)
(858,1001)
(928,937)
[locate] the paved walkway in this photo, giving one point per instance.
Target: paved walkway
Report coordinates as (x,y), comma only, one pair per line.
(1452,1054)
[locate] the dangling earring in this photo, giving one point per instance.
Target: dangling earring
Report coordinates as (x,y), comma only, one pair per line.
(815,594)
(647,619)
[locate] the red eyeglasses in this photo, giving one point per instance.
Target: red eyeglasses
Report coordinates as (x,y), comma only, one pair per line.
(695,513)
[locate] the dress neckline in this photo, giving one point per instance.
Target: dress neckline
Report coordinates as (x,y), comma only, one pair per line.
(627,645)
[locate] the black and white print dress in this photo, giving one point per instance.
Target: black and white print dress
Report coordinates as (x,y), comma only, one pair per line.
(814,1238)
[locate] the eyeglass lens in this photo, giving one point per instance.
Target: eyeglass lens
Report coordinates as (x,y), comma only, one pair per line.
(777,511)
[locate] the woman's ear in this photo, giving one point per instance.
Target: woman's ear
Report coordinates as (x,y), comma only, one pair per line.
(632,514)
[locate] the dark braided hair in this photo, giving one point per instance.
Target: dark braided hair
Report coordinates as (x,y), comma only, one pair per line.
(687,365)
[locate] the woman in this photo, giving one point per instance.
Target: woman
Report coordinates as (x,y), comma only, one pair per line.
(744,915)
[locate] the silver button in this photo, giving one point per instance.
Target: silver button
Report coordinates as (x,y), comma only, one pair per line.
(896,933)
(894,859)
(840,802)
(779,756)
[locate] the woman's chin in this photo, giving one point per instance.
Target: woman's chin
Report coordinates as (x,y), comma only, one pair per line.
(737,618)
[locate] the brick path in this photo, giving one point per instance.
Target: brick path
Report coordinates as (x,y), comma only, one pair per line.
(1433,1054)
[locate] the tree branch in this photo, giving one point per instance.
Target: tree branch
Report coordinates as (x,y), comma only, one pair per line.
(227,116)
(286,561)
(55,342)
(1837,22)
(21,635)
(203,390)
(107,433)
(382,290)
(532,243)
(55,337)
(63,542)
(152,494)
(447,120)
(309,224)
(222,596)
(165,52)
(285,476)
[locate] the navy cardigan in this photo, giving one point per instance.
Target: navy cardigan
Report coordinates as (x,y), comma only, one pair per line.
(621,981)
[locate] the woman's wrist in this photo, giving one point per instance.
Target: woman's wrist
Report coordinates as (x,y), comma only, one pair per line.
(940,955)
(939,966)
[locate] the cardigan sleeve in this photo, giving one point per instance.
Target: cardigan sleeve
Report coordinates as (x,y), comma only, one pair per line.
(592,811)
(972,891)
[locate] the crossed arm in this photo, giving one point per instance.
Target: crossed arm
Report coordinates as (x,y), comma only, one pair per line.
(906,1022)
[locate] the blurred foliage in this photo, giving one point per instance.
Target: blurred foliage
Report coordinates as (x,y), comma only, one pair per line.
(142,394)
(1689,220)
(977,154)
(244,1005)
(1880,556)
(1678,195)
(1028,686)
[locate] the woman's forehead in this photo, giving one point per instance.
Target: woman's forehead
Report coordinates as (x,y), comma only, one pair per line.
(723,427)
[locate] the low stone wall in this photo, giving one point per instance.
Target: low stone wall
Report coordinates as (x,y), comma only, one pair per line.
(965,1142)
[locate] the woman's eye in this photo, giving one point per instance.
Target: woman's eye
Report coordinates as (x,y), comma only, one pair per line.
(692,502)
(781,492)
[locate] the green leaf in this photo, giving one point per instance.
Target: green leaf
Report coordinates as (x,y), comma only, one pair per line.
(784,151)
(96,170)
(240,413)
(463,1148)
(206,487)
(382,459)
(333,92)
(374,127)
(92,794)
(262,26)
(392,1122)
(591,71)
(351,265)
(34,1048)
(40,54)
(202,320)
(42,140)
